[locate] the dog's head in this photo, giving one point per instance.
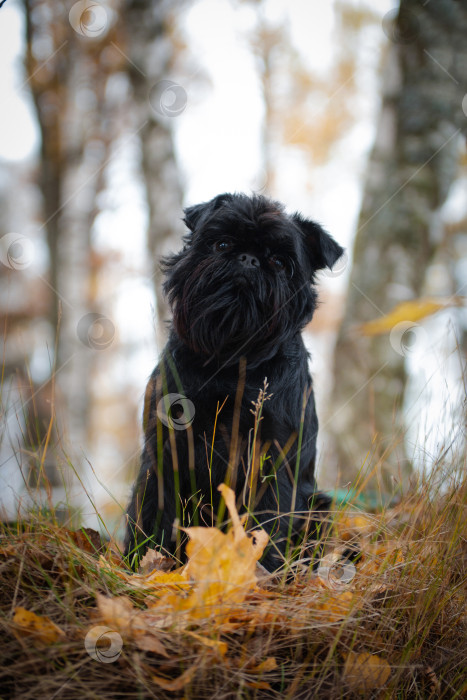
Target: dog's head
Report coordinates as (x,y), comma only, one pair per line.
(243,282)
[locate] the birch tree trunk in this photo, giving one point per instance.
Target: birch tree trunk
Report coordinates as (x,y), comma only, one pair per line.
(410,171)
(68,82)
(159,100)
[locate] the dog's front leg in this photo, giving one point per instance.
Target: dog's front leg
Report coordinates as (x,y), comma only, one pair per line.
(152,510)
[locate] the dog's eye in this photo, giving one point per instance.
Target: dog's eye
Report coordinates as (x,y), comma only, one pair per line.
(277,263)
(222,246)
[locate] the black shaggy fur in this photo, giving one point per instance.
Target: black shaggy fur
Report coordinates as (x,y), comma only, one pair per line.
(241,291)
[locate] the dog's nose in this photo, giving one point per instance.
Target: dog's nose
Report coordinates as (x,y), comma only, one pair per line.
(248,260)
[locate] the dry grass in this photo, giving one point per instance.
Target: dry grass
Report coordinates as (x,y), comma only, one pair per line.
(406,606)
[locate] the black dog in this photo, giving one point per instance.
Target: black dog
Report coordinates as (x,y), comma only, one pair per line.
(241,290)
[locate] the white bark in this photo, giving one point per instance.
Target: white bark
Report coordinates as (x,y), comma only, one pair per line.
(411,169)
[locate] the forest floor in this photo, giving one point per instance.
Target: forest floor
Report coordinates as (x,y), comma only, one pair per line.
(389,623)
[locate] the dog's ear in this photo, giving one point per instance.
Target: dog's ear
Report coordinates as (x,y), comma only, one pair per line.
(194,214)
(323,251)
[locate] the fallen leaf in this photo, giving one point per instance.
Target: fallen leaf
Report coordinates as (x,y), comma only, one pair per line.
(158,581)
(225,557)
(223,565)
(155,581)
(336,606)
(220,573)
(268,664)
(119,613)
(214,644)
(259,685)
(87,539)
(175,683)
(379,557)
(350,525)
(8,551)
(40,628)
(205,550)
(408,312)
(149,642)
(365,672)
(155,561)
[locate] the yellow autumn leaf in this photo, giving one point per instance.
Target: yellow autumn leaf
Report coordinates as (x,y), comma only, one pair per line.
(215,557)
(119,613)
(175,684)
(220,563)
(205,552)
(335,606)
(379,557)
(153,580)
(158,581)
(39,628)
(409,312)
(348,525)
(258,685)
(215,644)
(365,672)
(268,664)
(223,565)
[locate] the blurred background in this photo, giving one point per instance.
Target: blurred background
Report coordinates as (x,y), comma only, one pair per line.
(117,114)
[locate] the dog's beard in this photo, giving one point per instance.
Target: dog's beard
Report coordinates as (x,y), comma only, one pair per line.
(225,311)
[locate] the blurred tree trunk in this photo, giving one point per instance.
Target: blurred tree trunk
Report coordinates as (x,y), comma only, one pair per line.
(68,73)
(411,168)
(44,83)
(158,101)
